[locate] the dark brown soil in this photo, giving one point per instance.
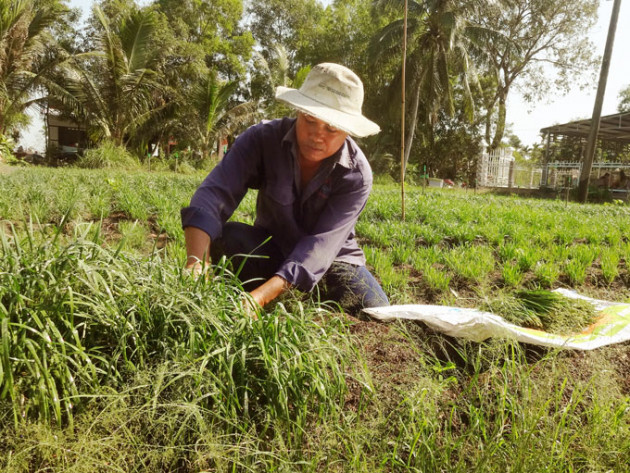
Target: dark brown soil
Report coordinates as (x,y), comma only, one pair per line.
(392,360)
(395,361)
(619,356)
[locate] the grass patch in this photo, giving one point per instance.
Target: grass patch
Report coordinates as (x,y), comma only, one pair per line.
(543,309)
(112,359)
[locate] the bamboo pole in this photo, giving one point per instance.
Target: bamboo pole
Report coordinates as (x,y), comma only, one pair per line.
(402,116)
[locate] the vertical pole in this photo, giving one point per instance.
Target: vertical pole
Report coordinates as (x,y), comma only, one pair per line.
(402,117)
(46,132)
(597,109)
(545,171)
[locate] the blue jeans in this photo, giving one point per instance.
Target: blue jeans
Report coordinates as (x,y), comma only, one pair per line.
(352,287)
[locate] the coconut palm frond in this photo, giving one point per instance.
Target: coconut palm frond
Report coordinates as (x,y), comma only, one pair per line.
(236,118)
(439,40)
(135,35)
(28,53)
(280,63)
(113,88)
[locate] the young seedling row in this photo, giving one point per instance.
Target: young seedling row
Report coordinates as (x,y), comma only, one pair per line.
(112,358)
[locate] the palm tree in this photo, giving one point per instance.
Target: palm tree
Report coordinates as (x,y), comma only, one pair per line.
(270,71)
(439,42)
(212,112)
(26,54)
(115,88)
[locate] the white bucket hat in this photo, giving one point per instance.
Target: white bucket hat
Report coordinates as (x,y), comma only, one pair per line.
(334,94)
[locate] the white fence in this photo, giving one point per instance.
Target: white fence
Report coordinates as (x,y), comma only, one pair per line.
(605,175)
(499,169)
(494,168)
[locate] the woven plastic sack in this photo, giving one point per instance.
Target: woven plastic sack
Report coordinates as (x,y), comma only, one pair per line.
(612,324)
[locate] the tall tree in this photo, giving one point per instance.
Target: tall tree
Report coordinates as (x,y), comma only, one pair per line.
(439,40)
(212,113)
(113,88)
(268,74)
(27,54)
(344,33)
(210,30)
(343,36)
(204,43)
(293,24)
(538,38)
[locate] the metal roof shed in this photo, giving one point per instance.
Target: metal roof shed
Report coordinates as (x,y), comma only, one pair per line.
(614,132)
(615,128)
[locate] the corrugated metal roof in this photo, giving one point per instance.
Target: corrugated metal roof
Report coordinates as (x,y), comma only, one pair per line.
(611,128)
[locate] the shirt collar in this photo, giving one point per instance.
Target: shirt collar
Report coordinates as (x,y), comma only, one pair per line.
(343,157)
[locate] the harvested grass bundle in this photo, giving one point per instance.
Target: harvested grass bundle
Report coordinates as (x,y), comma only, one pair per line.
(543,309)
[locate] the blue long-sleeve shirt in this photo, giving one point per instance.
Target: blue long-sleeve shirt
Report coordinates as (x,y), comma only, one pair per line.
(313,226)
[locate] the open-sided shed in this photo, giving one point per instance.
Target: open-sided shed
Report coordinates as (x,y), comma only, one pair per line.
(613,136)
(613,128)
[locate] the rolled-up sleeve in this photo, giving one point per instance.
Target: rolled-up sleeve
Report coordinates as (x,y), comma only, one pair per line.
(314,253)
(220,193)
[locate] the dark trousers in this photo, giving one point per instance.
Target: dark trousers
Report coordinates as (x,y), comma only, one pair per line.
(258,257)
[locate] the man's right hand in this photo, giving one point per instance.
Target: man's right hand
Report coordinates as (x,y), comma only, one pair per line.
(197,268)
(198,250)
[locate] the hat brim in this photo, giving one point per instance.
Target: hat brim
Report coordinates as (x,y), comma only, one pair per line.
(355,125)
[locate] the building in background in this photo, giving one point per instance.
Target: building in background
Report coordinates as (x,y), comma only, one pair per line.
(66,138)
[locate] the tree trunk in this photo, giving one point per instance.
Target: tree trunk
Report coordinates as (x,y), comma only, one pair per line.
(500,125)
(488,127)
(412,126)
(2,128)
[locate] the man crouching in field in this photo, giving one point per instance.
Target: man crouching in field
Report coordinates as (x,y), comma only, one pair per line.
(313,182)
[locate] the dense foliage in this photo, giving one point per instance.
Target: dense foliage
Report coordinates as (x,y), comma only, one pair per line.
(186,75)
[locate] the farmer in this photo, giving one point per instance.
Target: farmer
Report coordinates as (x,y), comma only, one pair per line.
(313,182)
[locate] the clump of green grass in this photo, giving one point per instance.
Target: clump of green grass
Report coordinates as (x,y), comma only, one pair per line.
(75,317)
(576,271)
(547,273)
(507,251)
(438,280)
(108,155)
(472,263)
(134,234)
(527,257)
(543,309)
(511,274)
(391,277)
(610,264)
(38,200)
(99,203)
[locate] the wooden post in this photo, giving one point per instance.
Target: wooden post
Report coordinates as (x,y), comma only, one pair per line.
(597,109)
(545,172)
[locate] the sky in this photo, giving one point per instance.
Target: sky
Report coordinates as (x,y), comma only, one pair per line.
(528,119)
(525,119)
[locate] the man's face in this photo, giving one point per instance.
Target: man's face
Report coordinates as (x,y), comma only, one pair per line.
(316,139)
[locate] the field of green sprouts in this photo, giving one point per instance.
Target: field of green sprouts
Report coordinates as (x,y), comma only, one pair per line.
(113,359)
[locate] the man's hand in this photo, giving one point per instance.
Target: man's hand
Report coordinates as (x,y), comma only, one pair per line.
(198,268)
(269,290)
(250,306)
(197,249)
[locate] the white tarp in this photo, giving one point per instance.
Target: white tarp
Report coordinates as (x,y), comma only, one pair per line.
(611,326)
